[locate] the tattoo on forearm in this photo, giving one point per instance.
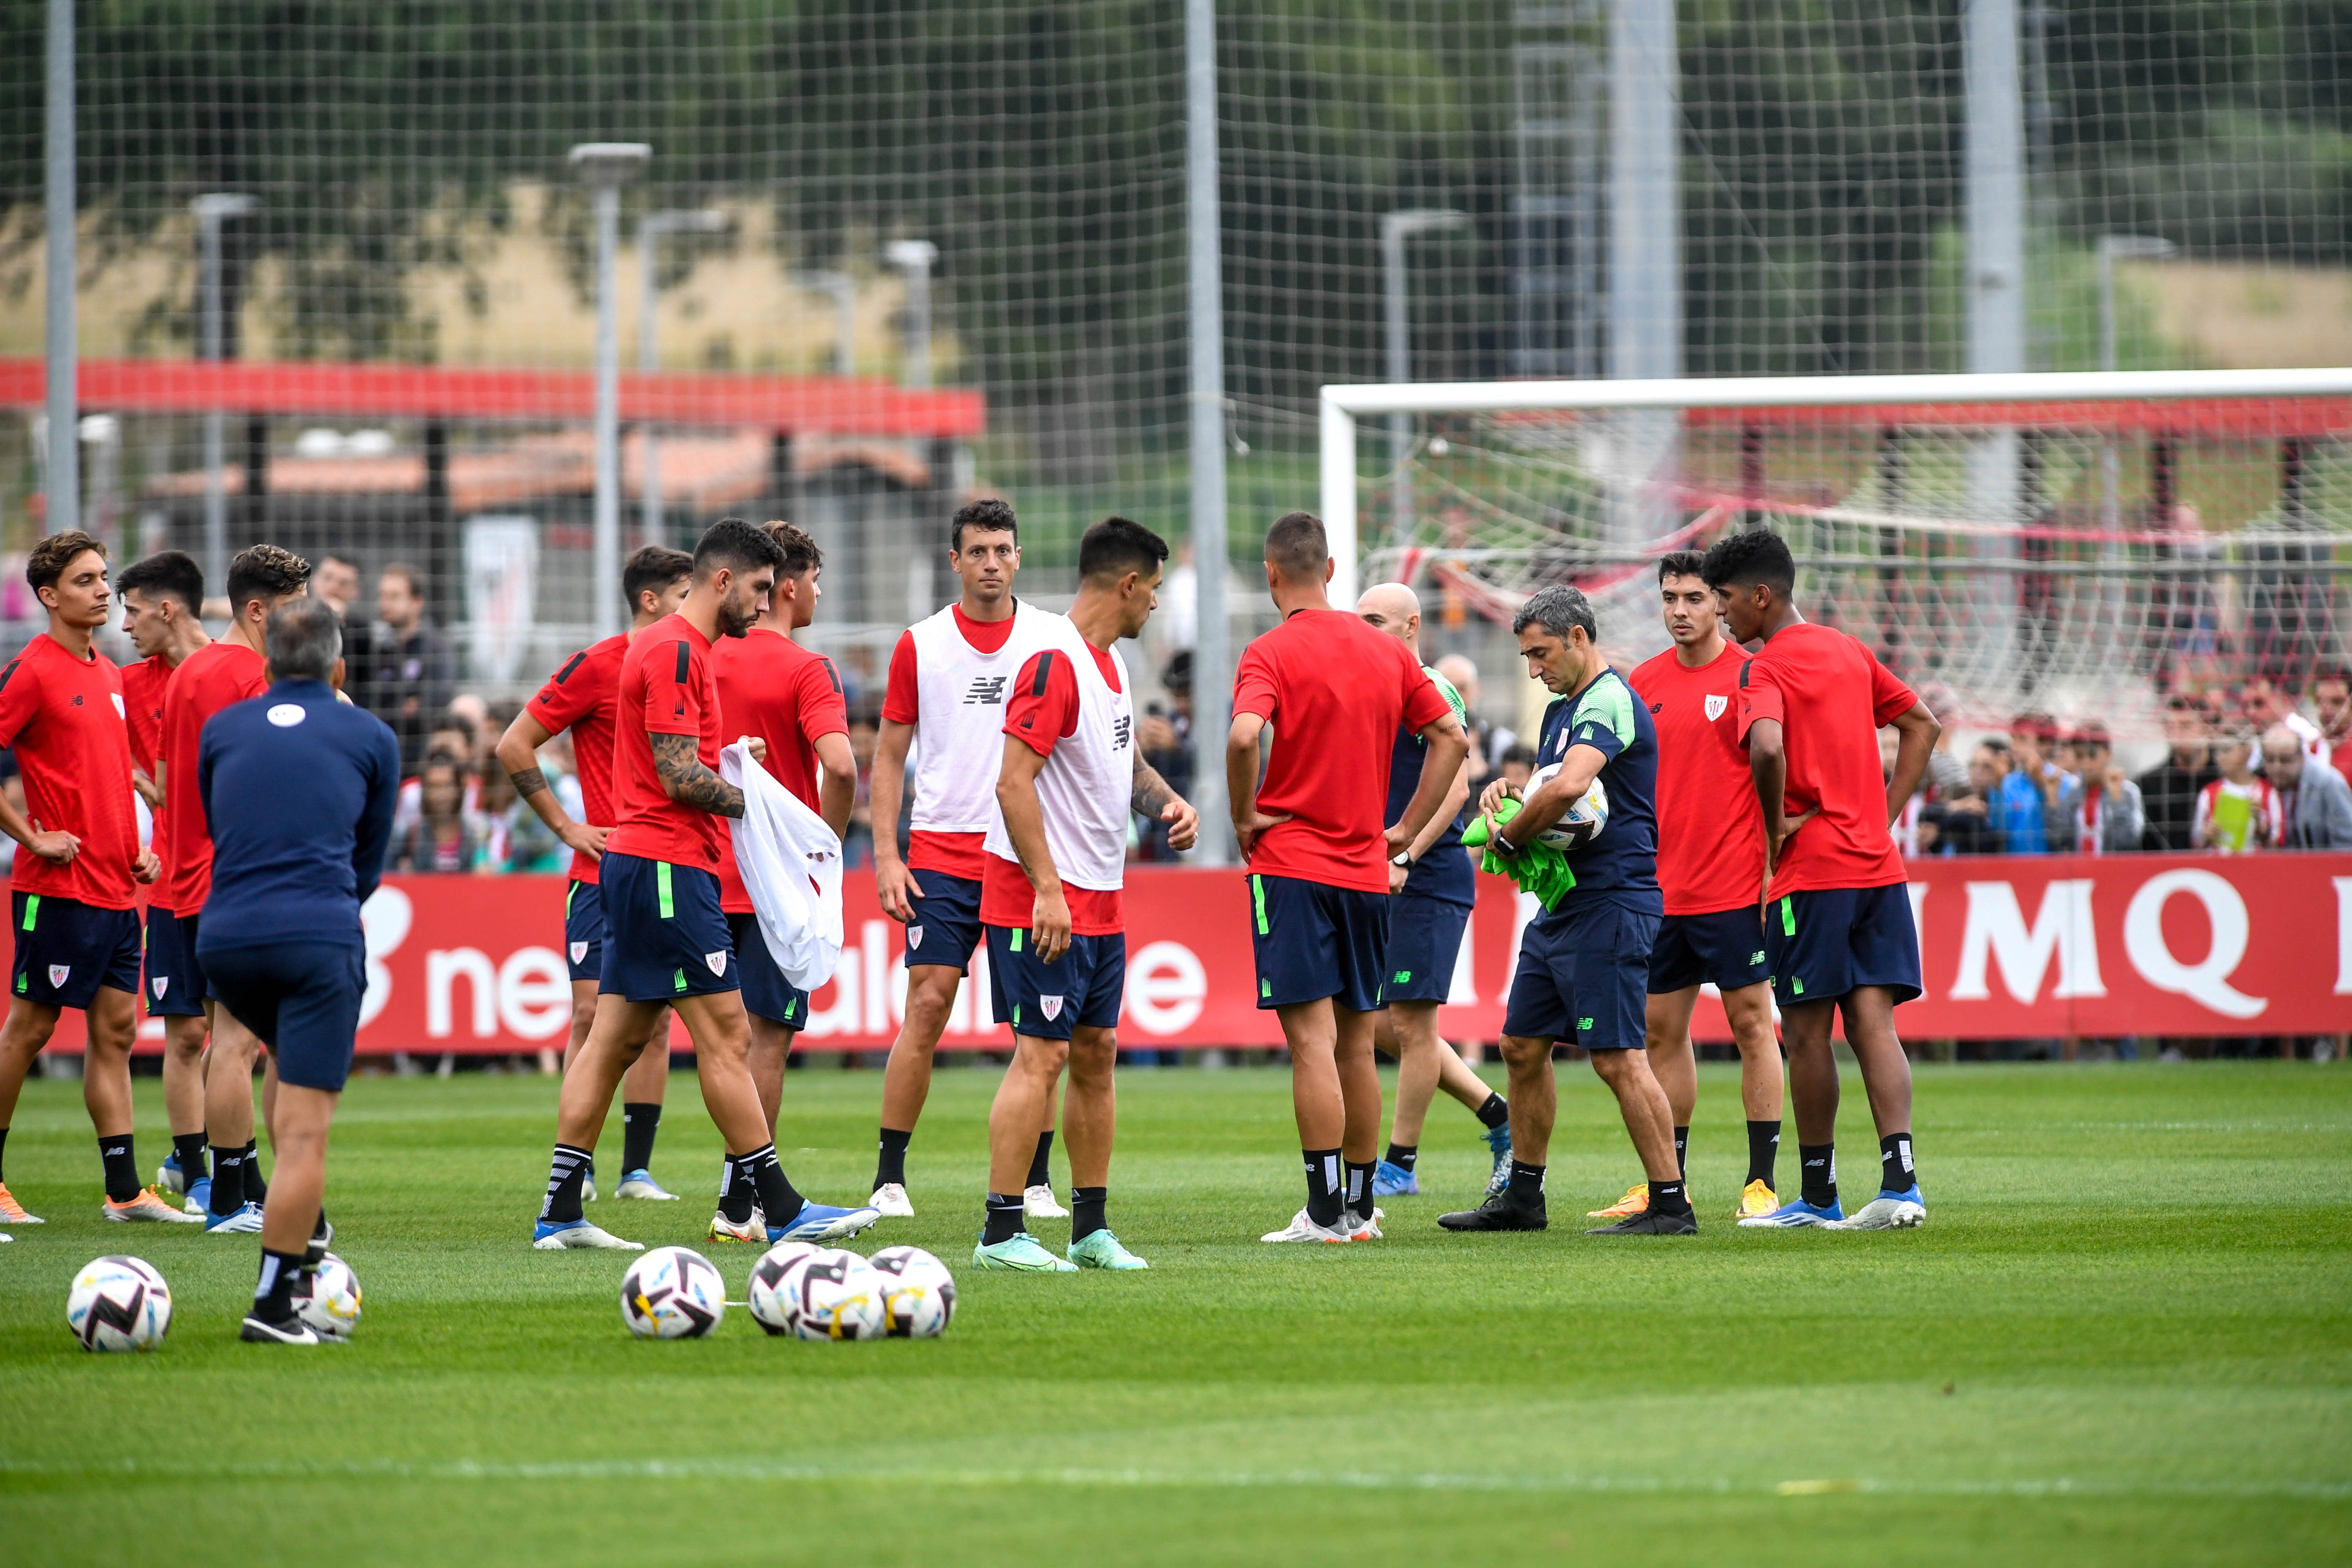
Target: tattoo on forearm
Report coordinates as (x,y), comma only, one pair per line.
(1152,792)
(688,782)
(529,782)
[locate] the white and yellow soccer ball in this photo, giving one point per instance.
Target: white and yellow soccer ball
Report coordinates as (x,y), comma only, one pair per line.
(817,1293)
(1585,819)
(328,1297)
(918,1293)
(119,1304)
(672,1293)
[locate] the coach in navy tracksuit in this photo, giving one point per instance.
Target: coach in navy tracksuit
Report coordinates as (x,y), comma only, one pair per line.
(299,789)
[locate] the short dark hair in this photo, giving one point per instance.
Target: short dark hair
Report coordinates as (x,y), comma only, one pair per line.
(1681,564)
(654,567)
(50,557)
(1517,752)
(2335,672)
(801,552)
(166,575)
(1749,557)
(733,544)
(989,514)
(304,638)
(1297,545)
(1115,546)
(264,572)
(406,574)
(1557,609)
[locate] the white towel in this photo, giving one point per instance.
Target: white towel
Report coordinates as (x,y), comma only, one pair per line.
(790,863)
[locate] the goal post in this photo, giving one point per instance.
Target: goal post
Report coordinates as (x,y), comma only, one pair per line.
(2082,543)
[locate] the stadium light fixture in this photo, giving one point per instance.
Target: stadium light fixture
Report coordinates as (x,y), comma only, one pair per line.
(843,289)
(2115,248)
(1397,230)
(605,167)
(213,209)
(915,257)
(650,230)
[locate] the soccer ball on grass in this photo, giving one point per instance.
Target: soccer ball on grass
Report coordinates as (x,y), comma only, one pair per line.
(328,1297)
(817,1293)
(119,1304)
(672,1293)
(918,1293)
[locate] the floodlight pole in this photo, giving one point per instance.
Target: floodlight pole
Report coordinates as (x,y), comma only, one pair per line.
(843,289)
(603,166)
(2112,248)
(1205,327)
(650,229)
(1396,229)
(915,257)
(212,210)
(63,497)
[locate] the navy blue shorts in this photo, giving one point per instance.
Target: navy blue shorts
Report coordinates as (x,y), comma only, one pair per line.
(1424,942)
(1081,989)
(1584,978)
(1829,941)
(302,998)
(665,934)
(1312,940)
(175,980)
(946,927)
(66,951)
(1723,948)
(584,929)
(766,992)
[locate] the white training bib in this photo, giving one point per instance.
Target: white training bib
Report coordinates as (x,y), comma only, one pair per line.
(1086,784)
(960,695)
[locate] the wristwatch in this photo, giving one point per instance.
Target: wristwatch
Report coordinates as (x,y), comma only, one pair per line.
(1402,857)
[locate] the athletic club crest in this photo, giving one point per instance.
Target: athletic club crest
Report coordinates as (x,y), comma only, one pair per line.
(57,973)
(160,984)
(1050,1005)
(579,953)
(717,962)
(914,937)
(1715,704)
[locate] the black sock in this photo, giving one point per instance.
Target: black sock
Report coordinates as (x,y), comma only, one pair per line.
(779,1202)
(1495,1112)
(640,1121)
(1763,1151)
(736,1193)
(1818,1164)
(256,1191)
(1037,1175)
(1005,1211)
(564,1174)
(273,1296)
(1526,1184)
(1086,1211)
(1402,1156)
(890,1165)
(121,1168)
(1896,1172)
(190,1148)
(1323,1203)
(1682,1153)
(1669,1197)
(1360,1186)
(229,1180)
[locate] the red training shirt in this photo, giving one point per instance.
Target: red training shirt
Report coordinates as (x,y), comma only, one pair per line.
(956,853)
(1830,695)
(207,680)
(142,709)
(578,698)
(1335,692)
(63,717)
(1039,715)
(1710,829)
(770,687)
(665,688)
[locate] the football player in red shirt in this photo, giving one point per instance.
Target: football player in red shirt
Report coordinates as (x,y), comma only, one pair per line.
(222,672)
(666,938)
(791,699)
(1838,927)
(162,597)
(1334,691)
(1711,872)
(75,922)
(578,698)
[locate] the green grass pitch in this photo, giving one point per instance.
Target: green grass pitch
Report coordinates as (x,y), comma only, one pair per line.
(2125,1336)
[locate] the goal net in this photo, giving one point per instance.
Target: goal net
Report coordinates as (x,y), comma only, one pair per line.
(2080,545)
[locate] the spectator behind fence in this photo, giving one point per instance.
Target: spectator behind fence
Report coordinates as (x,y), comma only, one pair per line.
(2265,705)
(2331,702)
(2238,811)
(2314,803)
(414,666)
(336,580)
(2109,814)
(1165,739)
(445,835)
(2035,807)
(2168,791)
(1488,742)
(1963,821)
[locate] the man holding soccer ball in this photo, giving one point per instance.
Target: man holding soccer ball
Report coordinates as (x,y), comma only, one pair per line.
(1584,965)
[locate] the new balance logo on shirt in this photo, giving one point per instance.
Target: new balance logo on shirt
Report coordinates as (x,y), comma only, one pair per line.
(987,691)
(1120,731)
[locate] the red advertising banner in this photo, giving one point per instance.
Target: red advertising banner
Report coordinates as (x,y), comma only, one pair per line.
(2027,947)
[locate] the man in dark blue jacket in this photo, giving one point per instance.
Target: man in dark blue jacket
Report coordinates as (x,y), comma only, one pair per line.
(299,788)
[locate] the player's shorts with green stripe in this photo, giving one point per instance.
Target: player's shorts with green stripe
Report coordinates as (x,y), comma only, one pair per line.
(1313,941)
(665,934)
